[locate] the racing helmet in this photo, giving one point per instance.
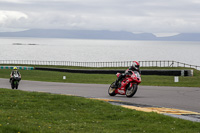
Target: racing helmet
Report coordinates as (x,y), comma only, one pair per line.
(15,68)
(136,65)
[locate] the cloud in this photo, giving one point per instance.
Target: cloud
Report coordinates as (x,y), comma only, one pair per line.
(172,16)
(8,16)
(14,1)
(11,19)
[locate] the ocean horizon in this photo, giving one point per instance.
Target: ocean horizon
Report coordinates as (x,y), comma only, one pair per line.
(86,50)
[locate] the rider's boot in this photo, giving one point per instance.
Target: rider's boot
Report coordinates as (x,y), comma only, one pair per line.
(115,85)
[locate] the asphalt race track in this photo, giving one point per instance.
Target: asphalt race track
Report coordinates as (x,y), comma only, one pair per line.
(184,98)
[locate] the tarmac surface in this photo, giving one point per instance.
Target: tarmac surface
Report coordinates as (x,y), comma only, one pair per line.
(183,101)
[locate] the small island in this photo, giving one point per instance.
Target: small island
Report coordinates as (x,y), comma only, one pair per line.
(24,44)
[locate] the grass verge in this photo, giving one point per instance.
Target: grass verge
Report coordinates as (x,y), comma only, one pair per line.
(104,78)
(28,112)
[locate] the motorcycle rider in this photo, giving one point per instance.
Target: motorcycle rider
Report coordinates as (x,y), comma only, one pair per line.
(134,67)
(14,71)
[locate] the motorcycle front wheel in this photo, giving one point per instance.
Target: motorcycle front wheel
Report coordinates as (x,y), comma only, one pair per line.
(111,90)
(130,91)
(16,86)
(12,85)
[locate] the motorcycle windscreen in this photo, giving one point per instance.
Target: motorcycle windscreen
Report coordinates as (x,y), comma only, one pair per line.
(137,74)
(16,75)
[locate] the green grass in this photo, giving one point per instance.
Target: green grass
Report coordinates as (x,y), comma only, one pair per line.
(52,76)
(32,112)
(104,78)
(184,81)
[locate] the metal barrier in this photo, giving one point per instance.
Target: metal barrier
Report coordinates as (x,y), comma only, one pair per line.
(18,67)
(143,72)
(163,63)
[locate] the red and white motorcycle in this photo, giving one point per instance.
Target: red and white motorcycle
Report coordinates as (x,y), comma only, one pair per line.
(128,86)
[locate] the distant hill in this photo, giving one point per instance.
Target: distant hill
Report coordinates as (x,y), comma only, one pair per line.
(101,34)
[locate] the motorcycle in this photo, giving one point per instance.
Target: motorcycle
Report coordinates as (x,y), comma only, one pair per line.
(15,81)
(128,86)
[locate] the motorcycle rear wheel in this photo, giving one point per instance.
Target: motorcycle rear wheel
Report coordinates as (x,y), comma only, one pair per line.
(130,91)
(111,90)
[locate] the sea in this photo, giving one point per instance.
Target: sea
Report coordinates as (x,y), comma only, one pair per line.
(85,50)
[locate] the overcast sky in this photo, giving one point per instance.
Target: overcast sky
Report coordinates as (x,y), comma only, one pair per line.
(152,16)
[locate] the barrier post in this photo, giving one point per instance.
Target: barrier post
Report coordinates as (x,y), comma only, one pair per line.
(176,79)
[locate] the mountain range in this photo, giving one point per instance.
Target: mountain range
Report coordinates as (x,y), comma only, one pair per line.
(99,34)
